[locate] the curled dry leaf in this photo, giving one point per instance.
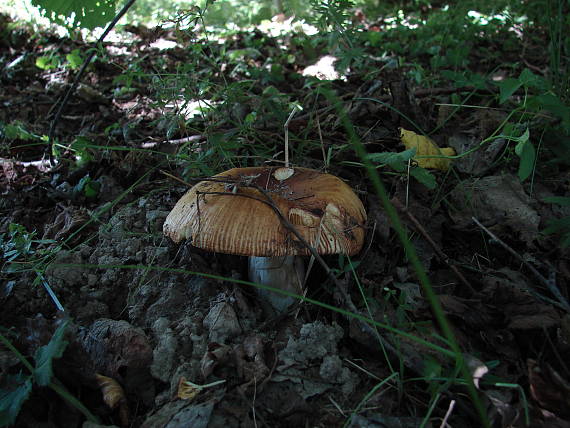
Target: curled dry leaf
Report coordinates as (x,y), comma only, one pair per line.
(216,354)
(188,390)
(114,396)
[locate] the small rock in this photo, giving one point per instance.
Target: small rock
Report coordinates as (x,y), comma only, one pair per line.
(332,371)
(316,342)
(114,346)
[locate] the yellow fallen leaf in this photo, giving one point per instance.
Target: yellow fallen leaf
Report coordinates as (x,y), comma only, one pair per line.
(114,396)
(426,147)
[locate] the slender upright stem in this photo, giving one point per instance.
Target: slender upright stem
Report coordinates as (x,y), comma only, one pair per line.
(286,126)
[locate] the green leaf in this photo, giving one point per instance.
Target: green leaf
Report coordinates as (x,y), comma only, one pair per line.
(87,186)
(530,80)
(46,62)
(424,176)
(527,154)
(74,59)
(557,226)
(11,401)
(16,130)
(91,189)
(560,200)
(553,104)
(250,118)
(507,88)
(374,37)
(477,81)
(240,55)
(391,158)
(88,14)
(46,354)
(399,162)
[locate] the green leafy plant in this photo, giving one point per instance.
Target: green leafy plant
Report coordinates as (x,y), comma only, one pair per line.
(88,14)
(74,59)
(17,245)
(16,130)
(87,187)
(19,253)
(48,62)
(17,387)
(402,163)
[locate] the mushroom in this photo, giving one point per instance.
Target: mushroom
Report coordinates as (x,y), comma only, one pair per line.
(252,212)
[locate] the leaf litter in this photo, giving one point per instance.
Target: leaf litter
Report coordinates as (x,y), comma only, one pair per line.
(179,349)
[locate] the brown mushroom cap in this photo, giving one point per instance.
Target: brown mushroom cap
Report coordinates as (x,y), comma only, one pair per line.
(225,216)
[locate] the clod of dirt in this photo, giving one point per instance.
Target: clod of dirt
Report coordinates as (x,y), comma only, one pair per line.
(311,362)
(498,201)
(115,347)
(61,276)
(222,322)
(250,359)
(165,351)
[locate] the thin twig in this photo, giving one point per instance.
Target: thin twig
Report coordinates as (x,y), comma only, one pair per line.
(447,414)
(550,285)
(325,160)
(286,126)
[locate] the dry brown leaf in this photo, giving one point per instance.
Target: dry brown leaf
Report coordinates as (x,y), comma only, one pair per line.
(550,390)
(216,354)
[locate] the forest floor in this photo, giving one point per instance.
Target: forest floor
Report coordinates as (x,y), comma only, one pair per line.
(88,228)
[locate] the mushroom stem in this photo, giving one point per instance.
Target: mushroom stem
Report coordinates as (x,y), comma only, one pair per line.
(285,273)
